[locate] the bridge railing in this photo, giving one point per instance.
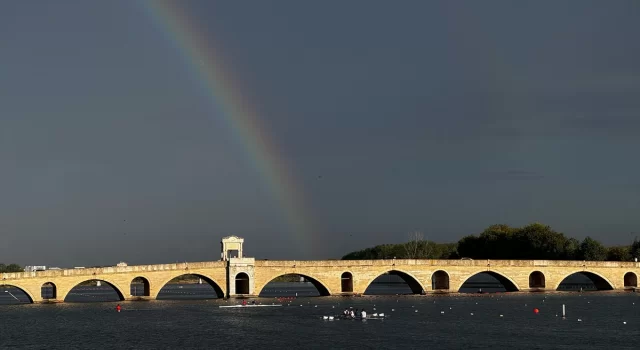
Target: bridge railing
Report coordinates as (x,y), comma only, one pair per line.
(447,262)
(113,270)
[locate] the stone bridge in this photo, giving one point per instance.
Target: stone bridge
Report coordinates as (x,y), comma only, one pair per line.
(247,277)
(239,277)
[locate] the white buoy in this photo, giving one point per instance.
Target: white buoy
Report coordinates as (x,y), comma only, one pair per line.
(374,309)
(330,318)
(442,312)
(325,317)
(416,310)
(579,320)
(624,322)
(500,315)
(393,309)
(472,314)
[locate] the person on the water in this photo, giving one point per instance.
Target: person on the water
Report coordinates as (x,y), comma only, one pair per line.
(353,314)
(363,314)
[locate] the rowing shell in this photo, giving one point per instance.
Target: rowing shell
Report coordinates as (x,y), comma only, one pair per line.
(260,305)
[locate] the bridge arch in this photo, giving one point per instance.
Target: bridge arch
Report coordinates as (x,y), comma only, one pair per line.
(346,282)
(212,282)
(601,282)
(537,280)
(117,288)
(320,285)
(508,284)
(22,288)
(440,280)
(242,283)
(630,280)
(44,292)
(146,286)
(410,279)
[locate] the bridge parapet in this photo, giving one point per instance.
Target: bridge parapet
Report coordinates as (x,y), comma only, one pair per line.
(113,270)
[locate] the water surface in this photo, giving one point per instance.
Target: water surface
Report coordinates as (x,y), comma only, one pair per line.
(201,324)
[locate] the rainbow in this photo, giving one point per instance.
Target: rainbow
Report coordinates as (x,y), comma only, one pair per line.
(200,53)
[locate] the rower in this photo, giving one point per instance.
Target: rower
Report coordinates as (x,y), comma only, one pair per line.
(353,315)
(363,314)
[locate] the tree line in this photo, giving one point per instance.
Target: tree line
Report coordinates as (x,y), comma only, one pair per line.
(10,268)
(534,241)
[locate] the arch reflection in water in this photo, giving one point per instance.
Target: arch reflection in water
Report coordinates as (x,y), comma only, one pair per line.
(394,282)
(11,295)
(291,285)
(94,291)
(488,282)
(190,286)
(584,281)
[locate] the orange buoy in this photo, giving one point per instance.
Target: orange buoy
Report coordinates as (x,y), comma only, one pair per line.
(535,311)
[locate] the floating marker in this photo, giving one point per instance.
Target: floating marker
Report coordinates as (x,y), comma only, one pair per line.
(472,314)
(416,310)
(624,322)
(579,320)
(536,311)
(500,315)
(563,312)
(393,309)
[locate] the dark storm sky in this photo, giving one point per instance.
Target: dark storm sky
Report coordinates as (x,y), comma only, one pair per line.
(443,117)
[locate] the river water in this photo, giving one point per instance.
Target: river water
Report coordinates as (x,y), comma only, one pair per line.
(413,322)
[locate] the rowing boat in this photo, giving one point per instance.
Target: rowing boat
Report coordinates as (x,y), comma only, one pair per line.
(251,305)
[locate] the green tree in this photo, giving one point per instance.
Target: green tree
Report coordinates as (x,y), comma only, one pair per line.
(10,268)
(571,249)
(634,249)
(618,253)
(590,249)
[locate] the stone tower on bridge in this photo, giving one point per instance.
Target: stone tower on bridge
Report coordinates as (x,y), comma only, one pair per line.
(240,270)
